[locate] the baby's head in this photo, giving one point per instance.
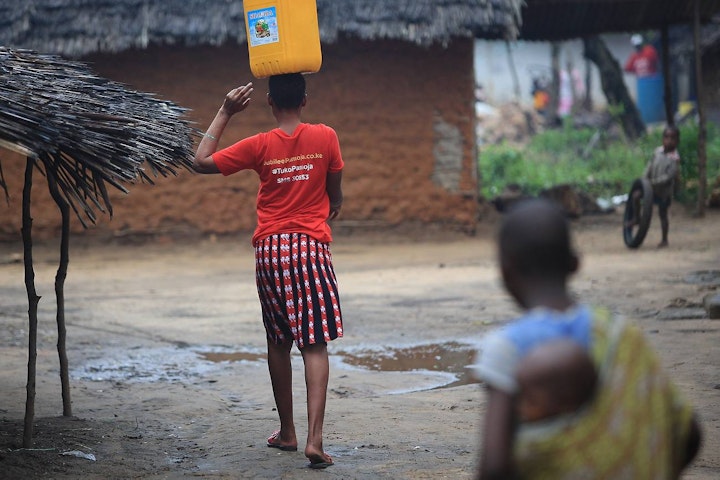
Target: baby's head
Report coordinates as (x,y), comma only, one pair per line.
(554,378)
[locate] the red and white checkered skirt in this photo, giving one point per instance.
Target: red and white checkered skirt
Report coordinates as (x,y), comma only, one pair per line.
(298,290)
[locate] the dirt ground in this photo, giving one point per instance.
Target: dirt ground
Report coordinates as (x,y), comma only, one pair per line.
(167,362)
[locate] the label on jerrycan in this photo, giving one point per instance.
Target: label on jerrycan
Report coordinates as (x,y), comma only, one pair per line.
(263,26)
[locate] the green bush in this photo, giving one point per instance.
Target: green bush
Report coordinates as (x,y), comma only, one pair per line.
(689,159)
(556,157)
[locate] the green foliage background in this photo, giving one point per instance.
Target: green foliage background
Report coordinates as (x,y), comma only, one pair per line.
(561,156)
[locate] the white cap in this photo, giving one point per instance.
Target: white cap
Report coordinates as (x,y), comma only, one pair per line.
(636,39)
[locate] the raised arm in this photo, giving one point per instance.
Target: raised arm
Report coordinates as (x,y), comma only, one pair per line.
(235,101)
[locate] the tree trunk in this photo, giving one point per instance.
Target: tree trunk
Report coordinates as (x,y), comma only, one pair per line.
(587,101)
(33,300)
(611,80)
(552,111)
(513,71)
(60,289)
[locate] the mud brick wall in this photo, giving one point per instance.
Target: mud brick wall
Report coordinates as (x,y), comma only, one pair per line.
(404,115)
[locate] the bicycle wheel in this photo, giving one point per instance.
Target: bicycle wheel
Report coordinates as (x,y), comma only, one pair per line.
(635,234)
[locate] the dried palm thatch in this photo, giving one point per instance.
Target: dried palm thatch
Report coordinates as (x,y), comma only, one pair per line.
(78,27)
(419,21)
(86,131)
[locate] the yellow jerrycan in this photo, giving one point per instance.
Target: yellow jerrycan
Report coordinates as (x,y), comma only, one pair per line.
(282,36)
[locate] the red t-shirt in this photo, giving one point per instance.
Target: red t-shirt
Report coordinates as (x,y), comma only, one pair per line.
(293,169)
(643,63)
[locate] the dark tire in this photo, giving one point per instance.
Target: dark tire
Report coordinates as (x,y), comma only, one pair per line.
(635,234)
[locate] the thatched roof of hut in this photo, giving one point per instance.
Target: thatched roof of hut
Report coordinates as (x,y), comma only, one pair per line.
(419,21)
(77,27)
(87,131)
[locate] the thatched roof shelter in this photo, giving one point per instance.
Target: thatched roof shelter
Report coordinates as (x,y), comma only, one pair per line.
(569,19)
(78,27)
(88,131)
(82,132)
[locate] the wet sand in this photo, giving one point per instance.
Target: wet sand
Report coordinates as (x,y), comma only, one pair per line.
(167,354)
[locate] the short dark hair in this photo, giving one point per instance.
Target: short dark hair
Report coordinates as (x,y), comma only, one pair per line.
(672,129)
(287,91)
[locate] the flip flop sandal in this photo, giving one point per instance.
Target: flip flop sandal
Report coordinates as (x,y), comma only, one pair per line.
(321,462)
(285,448)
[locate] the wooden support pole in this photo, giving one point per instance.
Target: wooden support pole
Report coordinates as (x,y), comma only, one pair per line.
(667,80)
(702,128)
(60,277)
(33,300)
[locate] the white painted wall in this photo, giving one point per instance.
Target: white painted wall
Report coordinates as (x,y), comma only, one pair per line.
(492,68)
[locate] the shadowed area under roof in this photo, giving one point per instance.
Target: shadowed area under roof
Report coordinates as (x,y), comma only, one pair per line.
(569,19)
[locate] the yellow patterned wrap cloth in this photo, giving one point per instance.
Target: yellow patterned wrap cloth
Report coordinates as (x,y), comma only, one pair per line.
(635,428)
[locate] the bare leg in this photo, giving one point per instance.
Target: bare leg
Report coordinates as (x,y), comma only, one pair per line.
(317,371)
(664,225)
(281,378)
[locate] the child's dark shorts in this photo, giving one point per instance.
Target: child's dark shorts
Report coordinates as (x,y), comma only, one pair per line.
(297,289)
(662,202)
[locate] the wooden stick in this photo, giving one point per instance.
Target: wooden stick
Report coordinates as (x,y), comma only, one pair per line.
(33,300)
(60,289)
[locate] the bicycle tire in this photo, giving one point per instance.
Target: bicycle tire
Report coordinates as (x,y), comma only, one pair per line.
(635,235)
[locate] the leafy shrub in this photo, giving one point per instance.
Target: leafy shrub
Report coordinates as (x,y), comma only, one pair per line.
(689,159)
(556,157)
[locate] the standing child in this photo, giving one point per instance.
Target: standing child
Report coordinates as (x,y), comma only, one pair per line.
(300,170)
(571,391)
(663,172)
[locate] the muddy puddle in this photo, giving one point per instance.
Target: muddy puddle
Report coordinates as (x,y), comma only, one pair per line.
(446,363)
(446,358)
(159,364)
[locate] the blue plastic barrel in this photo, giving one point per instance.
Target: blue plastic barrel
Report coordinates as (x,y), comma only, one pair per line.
(650,92)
